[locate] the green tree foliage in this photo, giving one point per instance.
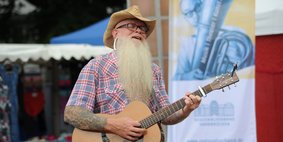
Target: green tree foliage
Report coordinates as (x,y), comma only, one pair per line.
(37,21)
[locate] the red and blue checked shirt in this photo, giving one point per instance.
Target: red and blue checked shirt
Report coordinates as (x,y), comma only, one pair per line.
(98,89)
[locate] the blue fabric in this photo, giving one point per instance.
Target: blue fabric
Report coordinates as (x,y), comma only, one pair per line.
(90,35)
(11,79)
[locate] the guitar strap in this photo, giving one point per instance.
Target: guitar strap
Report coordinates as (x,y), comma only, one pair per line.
(158,107)
(104,137)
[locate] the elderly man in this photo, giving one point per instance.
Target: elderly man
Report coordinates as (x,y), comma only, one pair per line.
(109,83)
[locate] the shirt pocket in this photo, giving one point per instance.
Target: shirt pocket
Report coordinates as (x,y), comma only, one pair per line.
(113,89)
(117,99)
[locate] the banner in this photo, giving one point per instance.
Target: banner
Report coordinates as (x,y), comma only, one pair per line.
(207,38)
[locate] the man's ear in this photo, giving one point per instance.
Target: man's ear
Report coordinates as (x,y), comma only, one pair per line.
(114,33)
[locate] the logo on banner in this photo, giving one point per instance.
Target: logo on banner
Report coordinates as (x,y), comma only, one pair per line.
(215,114)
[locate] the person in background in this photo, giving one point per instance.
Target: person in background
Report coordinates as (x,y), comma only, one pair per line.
(108,83)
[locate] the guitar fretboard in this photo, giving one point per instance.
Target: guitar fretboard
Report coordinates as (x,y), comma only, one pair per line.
(169,110)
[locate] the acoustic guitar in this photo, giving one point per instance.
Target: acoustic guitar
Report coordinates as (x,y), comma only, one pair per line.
(140,112)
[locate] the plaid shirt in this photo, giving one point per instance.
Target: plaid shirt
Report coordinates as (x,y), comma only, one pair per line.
(98,89)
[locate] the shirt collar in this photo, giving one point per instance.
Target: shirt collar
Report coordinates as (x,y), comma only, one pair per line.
(114,57)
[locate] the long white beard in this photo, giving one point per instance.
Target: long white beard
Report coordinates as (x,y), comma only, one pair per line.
(135,71)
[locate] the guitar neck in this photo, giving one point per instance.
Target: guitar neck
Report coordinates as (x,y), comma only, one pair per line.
(169,110)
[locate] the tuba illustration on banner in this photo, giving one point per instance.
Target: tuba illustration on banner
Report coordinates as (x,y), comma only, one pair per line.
(217,49)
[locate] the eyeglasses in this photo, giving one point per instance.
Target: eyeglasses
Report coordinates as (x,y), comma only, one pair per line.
(134,27)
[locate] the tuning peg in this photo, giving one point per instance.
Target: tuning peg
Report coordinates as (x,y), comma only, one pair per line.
(235,66)
(228,87)
(222,89)
(217,78)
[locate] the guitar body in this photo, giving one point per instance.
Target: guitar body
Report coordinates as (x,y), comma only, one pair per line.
(135,110)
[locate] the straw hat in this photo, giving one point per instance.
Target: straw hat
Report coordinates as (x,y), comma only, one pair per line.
(131,12)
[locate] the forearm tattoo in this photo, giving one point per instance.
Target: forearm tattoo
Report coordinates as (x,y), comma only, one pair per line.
(83,119)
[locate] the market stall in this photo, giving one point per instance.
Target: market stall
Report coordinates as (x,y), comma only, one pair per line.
(40,78)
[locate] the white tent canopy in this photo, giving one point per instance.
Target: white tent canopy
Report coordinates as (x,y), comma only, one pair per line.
(34,52)
(269,19)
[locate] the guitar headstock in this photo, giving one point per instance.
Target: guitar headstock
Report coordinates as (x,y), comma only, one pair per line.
(224,81)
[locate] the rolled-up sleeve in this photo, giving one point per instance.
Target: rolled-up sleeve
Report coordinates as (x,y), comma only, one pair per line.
(84,91)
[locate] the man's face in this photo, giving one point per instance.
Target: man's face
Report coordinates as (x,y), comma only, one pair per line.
(191,9)
(133,29)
